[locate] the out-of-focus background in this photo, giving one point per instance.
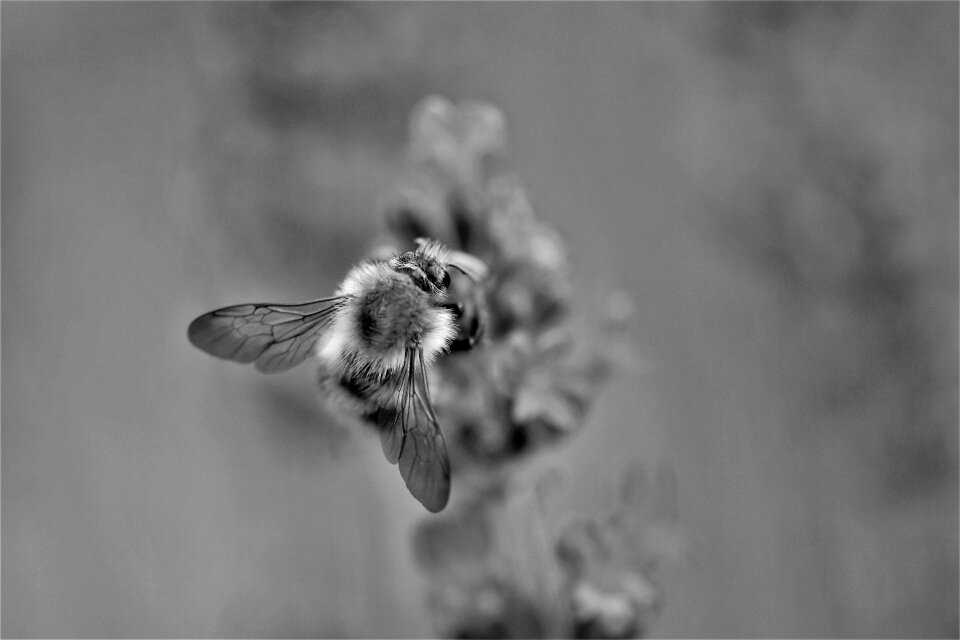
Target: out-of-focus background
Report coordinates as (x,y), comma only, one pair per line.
(775,184)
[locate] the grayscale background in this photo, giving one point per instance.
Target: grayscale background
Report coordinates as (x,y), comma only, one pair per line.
(775,184)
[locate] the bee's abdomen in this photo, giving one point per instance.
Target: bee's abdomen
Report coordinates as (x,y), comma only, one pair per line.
(359,395)
(362,392)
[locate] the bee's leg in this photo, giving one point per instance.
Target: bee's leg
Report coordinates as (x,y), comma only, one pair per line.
(469,331)
(463,341)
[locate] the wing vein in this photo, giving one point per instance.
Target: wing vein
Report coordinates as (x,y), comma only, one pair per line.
(274,336)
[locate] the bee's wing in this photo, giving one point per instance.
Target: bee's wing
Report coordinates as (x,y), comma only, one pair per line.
(411,436)
(273,336)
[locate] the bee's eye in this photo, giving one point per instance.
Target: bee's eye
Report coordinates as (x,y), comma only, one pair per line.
(446,280)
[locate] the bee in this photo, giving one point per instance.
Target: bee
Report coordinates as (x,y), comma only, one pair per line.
(374,339)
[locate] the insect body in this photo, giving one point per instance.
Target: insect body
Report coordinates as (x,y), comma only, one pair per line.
(375,339)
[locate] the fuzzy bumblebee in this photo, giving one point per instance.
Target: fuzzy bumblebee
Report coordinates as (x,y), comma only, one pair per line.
(374,339)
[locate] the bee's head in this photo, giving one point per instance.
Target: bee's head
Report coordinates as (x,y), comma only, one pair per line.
(426,266)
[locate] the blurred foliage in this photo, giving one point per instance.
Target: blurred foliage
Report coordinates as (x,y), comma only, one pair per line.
(852,209)
(503,566)
(532,380)
(529,383)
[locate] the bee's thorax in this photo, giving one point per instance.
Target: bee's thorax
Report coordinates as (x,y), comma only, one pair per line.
(385,314)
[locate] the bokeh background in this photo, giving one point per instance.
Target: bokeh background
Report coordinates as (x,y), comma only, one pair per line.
(775,184)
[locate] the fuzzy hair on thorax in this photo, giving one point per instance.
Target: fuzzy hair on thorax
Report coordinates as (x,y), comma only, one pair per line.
(383,316)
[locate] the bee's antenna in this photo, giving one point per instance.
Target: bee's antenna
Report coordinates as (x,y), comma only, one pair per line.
(467,264)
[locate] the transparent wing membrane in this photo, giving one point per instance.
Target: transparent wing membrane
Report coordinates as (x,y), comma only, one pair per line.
(275,337)
(411,436)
